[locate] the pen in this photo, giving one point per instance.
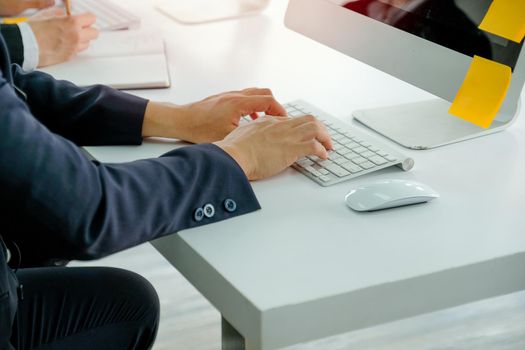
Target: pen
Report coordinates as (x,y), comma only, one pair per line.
(13,20)
(68,7)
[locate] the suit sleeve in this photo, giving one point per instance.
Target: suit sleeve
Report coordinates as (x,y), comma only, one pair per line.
(58,203)
(96,115)
(13,39)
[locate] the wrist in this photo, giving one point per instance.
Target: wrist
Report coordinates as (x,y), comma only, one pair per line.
(237,156)
(163,120)
(30,45)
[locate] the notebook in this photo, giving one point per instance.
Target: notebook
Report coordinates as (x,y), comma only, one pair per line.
(122,59)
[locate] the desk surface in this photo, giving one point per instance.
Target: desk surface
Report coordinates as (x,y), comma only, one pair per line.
(306,266)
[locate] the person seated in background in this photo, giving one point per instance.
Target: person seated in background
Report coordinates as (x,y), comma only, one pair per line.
(58,204)
(15,7)
(49,37)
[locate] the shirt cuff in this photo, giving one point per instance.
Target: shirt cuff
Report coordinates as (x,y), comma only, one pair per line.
(31,51)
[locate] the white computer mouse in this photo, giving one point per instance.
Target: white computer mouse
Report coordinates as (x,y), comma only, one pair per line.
(389,194)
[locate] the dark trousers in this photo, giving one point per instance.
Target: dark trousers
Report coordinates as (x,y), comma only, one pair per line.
(85,308)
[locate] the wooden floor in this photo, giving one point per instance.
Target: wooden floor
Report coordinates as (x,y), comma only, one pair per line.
(190,322)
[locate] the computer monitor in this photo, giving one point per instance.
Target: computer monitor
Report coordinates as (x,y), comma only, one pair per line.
(427,43)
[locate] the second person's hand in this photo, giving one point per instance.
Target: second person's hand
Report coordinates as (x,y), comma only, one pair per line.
(62,38)
(15,7)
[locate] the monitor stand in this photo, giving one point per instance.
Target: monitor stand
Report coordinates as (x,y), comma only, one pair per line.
(203,11)
(423,125)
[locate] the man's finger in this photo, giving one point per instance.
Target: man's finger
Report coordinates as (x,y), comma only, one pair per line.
(274,119)
(302,120)
(323,136)
(266,104)
(83,46)
(38,4)
(312,147)
(256,92)
(48,13)
(315,130)
(88,34)
(85,19)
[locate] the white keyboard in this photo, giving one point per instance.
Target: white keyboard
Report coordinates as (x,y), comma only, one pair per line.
(110,16)
(354,153)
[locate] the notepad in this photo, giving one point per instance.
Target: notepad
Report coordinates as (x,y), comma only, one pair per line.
(482,93)
(506,18)
(123,60)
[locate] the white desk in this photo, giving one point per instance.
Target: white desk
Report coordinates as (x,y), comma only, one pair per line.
(306,266)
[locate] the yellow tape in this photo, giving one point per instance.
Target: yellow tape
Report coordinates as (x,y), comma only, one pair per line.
(506,18)
(13,20)
(482,93)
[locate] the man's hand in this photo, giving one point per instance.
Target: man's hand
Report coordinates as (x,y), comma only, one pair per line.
(48,13)
(211,119)
(268,145)
(15,7)
(62,38)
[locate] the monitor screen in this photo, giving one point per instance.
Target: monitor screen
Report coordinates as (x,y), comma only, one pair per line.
(450,23)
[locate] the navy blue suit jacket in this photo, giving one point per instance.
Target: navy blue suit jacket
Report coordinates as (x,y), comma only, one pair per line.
(13,40)
(56,203)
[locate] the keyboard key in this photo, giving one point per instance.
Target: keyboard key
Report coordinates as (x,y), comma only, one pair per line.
(360,149)
(377,160)
(359,160)
(353,145)
(338,146)
(336,169)
(295,113)
(305,162)
(334,156)
(351,167)
(351,155)
(324,163)
(382,153)
(325,178)
(343,151)
(391,158)
(367,165)
(315,159)
(368,154)
(312,171)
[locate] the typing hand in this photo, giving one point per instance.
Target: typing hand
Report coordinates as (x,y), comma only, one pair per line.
(15,7)
(271,144)
(211,119)
(62,38)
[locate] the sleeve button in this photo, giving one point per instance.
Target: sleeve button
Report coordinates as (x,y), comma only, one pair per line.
(230,205)
(209,210)
(198,214)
